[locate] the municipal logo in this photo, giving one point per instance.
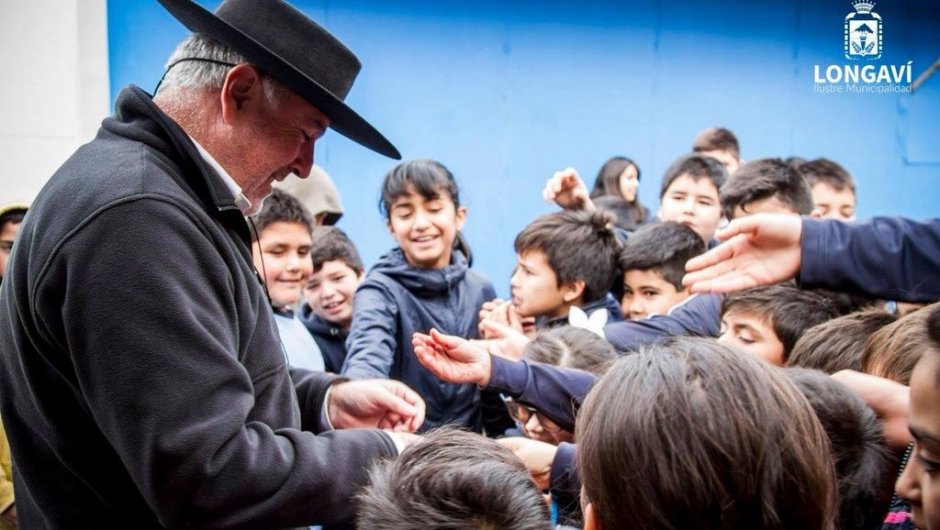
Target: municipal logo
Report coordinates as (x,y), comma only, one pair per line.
(863,32)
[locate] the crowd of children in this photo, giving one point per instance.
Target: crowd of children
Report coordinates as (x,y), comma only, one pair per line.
(620,396)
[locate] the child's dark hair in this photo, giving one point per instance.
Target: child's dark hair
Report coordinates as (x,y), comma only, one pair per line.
(452,479)
(578,245)
(690,433)
(828,172)
(12,215)
(763,179)
(696,167)
(893,351)
(717,139)
(662,247)
(280,207)
(571,347)
(838,344)
(428,178)
(861,459)
(607,183)
(789,310)
(332,244)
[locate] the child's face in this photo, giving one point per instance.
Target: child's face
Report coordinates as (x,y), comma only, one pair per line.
(693,203)
(329,292)
(7,236)
(425,229)
(727,159)
(833,204)
(647,292)
(629,182)
(752,333)
(919,484)
(282,255)
(535,289)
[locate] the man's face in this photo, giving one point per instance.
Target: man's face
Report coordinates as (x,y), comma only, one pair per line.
(693,203)
(646,292)
(7,236)
(833,204)
(330,292)
(920,483)
(282,255)
(753,334)
(535,289)
(270,140)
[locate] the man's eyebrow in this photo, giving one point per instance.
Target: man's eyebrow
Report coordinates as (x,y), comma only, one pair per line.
(921,435)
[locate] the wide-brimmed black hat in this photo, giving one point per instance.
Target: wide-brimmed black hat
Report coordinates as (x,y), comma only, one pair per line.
(291,48)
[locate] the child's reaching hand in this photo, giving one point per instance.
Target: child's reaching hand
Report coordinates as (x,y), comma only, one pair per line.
(567,190)
(452,359)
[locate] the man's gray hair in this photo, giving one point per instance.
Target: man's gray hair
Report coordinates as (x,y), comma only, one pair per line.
(209,70)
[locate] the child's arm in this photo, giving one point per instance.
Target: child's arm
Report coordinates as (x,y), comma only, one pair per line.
(372,343)
(696,317)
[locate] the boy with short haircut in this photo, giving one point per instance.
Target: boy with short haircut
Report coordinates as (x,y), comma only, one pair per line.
(839,344)
(720,144)
(281,253)
(768,185)
(768,321)
(653,261)
(328,311)
(833,189)
(565,259)
(689,194)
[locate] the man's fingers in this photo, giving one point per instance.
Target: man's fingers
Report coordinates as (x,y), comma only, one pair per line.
(719,254)
(742,225)
(728,283)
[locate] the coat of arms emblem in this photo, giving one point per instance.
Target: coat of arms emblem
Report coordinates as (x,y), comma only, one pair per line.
(863,32)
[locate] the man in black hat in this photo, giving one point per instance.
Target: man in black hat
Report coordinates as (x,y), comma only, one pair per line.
(143,383)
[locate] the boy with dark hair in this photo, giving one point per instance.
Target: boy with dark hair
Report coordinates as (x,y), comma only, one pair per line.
(859,453)
(452,479)
(720,144)
(768,321)
(838,344)
(653,261)
(565,259)
(328,311)
(10,219)
(833,189)
(766,185)
(281,253)
(689,194)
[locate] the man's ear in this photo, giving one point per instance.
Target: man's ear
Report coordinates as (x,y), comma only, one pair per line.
(572,291)
(242,87)
(590,519)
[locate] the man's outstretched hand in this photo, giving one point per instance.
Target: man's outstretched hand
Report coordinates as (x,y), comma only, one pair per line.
(452,359)
(379,403)
(759,249)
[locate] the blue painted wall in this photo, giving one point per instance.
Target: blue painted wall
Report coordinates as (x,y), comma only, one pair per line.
(504,93)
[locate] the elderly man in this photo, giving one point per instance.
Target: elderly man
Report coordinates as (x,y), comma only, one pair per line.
(143,383)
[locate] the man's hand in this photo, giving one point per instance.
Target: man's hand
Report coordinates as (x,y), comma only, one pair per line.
(536,456)
(453,359)
(759,249)
(567,190)
(889,399)
(380,403)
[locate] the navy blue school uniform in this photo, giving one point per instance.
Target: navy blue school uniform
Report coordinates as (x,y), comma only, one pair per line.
(697,316)
(608,303)
(329,337)
(395,301)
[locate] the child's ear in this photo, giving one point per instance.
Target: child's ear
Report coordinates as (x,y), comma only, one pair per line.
(590,519)
(572,291)
(461,217)
(388,225)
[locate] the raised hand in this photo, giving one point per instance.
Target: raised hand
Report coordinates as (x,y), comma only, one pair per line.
(759,249)
(567,190)
(452,359)
(380,403)
(536,456)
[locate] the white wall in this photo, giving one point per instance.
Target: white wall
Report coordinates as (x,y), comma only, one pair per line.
(55,60)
